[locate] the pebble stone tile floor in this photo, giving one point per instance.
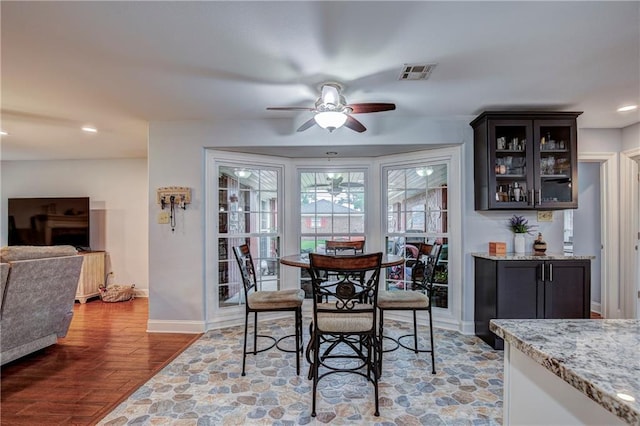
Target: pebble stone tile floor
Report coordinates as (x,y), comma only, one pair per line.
(203,386)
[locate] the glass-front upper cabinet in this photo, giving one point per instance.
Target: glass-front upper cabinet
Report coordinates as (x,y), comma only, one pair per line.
(525,160)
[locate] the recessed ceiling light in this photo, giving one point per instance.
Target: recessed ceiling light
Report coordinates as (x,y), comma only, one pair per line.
(90,129)
(627,108)
(3,133)
(626,397)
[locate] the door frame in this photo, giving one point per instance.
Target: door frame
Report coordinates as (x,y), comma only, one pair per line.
(629,228)
(610,290)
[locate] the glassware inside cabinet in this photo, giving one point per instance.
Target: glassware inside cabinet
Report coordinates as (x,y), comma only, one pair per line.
(555,138)
(512,191)
(511,139)
(555,164)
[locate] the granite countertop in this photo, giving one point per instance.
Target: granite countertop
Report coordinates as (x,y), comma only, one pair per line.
(600,358)
(531,256)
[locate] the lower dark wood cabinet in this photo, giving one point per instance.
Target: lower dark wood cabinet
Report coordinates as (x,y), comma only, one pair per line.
(525,289)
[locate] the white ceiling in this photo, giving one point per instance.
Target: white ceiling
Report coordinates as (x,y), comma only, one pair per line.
(120,65)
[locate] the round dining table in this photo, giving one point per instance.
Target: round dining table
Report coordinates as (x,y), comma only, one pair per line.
(302,260)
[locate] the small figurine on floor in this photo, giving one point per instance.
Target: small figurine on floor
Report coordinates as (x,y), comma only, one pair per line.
(539,245)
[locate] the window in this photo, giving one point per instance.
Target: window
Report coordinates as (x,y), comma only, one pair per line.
(332,207)
(416,205)
(247,214)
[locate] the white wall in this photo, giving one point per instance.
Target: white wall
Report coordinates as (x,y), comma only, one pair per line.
(586,223)
(599,140)
(631,137)
(119,213)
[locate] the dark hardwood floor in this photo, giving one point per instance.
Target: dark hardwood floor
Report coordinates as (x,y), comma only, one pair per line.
(106,355)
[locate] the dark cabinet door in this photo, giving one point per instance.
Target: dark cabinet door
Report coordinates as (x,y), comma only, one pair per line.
(511,154)
(519,292)
(567,289)
(556,161)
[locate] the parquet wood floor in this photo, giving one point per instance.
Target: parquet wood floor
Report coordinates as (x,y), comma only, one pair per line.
(106,355)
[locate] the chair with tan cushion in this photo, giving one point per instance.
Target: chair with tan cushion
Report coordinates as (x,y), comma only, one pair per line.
(344,332)
(267,301)
(419,298)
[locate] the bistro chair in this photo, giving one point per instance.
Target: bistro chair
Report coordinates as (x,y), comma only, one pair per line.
(344,329)
(267,301)
(344,247)
(419,298)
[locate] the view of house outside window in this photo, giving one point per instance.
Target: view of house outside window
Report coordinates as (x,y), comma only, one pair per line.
(332,207)
(416,205)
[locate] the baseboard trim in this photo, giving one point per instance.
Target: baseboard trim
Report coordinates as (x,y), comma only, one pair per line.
(165,326)
(144,293)
(596,307)
(168,326)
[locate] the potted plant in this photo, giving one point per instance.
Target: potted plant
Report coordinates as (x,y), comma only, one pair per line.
(519,226)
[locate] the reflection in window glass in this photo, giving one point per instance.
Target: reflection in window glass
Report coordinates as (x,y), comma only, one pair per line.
(416,205)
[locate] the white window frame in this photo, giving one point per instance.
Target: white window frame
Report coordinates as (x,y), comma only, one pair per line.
(450,317)
(216,316)
(340,167)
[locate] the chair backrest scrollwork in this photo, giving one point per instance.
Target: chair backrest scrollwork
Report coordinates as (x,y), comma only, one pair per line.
(247,269)
(356,286)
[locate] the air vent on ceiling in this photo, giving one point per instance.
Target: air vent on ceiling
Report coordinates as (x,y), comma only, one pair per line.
(416,71)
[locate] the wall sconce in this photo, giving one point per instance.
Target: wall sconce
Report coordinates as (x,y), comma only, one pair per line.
(424,171)
(171,197)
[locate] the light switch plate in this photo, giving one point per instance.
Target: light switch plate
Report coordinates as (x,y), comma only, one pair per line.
(545,216)
(163,218)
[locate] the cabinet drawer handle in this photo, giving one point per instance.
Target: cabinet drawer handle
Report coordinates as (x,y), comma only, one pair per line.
(539,196)
(551,272)
(531,200)
(542,268)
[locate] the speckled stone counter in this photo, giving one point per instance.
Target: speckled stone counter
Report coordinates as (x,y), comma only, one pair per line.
(599,358)
(531,256)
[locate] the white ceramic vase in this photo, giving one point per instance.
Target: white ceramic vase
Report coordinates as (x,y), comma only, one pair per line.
(518,243)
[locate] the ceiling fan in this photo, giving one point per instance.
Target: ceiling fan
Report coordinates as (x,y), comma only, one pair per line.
(336,186)
(332,111)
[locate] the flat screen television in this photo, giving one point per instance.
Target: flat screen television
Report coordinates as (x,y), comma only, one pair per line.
(49,221)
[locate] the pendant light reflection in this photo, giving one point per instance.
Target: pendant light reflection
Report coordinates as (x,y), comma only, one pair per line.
(242,174)
(424,171)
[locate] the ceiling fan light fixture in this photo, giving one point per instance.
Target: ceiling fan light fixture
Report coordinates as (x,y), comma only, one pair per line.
(330,120)
(424,171)
(330,94)
(243,174)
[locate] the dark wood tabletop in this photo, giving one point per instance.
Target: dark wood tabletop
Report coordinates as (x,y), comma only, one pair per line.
(302,260)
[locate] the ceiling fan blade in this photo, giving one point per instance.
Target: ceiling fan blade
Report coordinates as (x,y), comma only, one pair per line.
(371,107)
(290,108)
(310,122)
(354,124)
(351,185)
